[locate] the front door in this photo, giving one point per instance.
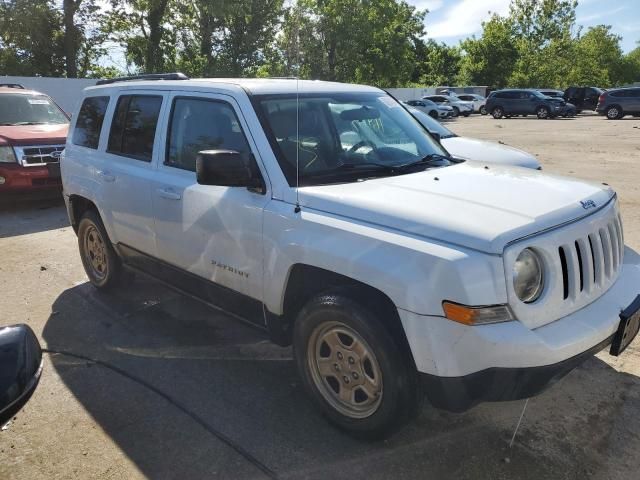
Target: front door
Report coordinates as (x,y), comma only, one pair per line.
(213,232)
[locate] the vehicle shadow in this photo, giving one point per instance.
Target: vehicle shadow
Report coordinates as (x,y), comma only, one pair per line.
(188,392)
(30,214)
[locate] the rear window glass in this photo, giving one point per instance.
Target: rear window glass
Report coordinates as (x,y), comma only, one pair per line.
(89,122)
(134,126)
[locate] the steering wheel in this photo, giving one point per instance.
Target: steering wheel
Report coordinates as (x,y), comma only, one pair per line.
(359,145)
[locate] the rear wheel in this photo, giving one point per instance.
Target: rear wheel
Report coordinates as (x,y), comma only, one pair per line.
(99,259)
(483,110)
(433,114)
(456,111)
(542,112)
(614,112)
(352,368)
(497,112)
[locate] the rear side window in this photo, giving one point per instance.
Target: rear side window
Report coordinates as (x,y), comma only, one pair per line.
(89,122)
(134,126)
(200,124)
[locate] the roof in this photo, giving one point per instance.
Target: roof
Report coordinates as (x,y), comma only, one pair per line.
(257,86)
(19,91)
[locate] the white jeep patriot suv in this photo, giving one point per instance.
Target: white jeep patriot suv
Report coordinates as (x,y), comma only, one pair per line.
(326,215)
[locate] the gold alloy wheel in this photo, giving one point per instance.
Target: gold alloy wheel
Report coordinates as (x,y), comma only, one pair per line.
(345,370)
(96,252)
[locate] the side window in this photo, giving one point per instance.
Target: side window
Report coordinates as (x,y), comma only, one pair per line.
(134,126)
(200,124)
(89,122)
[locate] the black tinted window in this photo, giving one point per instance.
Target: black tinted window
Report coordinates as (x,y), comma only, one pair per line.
(198,124)
(89,122)
(134,126)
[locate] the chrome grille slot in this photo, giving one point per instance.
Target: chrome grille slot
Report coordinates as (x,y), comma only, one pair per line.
(39,154)
(591,260)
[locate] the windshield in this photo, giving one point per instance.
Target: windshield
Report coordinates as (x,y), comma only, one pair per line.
(431,124)
(343,137)
(22,109)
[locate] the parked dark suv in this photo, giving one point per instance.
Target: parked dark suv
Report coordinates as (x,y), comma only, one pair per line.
(619,102)
(512,102)
(584,98)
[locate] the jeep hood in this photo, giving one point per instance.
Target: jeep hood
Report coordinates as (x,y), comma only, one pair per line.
(465,204)
(19,135)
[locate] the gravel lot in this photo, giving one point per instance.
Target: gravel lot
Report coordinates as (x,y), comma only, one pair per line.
(158,386)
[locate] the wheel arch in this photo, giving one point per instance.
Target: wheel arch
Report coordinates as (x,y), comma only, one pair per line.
(307,281)
(78,206)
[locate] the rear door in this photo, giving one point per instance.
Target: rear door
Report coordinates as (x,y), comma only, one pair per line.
(127,167)
(633,101)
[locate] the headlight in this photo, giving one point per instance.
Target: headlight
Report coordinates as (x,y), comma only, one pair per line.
(528,278)
(7,155)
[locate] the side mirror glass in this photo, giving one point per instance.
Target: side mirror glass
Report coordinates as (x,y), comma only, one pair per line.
(228,168)
(20,368)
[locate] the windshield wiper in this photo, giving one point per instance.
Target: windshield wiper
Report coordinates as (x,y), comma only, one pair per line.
(434,159)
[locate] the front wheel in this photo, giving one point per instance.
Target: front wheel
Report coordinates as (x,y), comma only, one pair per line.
(542,112)
(483,110)
(456,111)
(466,114)
(351,367)
(99,259)
(497,112)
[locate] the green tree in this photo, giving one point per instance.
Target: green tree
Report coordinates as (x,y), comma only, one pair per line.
(350,40)
(490,59)
(141,27)
(31,38)
(437,63)
(542,31)
(598,59)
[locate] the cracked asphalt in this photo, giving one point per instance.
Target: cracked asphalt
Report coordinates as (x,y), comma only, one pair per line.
(149,384)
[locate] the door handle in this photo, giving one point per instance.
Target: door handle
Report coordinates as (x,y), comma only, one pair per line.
(106,176)
(168,194)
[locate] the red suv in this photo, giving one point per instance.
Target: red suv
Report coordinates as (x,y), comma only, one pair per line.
(33,131)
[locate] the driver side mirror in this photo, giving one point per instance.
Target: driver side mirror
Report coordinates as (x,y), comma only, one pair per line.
(228,168)
(20,368)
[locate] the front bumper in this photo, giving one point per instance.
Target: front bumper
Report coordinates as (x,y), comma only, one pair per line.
(465,365)
(16,178)
(457,394)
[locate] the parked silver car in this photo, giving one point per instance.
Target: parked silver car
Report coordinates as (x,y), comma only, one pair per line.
(432,109)
(460,107)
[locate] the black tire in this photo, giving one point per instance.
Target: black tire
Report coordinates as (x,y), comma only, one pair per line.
(433,114)
(399,397)
(483,110)
(456,111)
(107,272)
(466,114)
(497,112)
(525,115)
(543,112)
(614,112)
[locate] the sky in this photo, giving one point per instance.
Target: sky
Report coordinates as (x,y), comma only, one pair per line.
(450,21)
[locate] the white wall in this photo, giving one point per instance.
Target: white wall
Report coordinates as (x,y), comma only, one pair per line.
(66,92)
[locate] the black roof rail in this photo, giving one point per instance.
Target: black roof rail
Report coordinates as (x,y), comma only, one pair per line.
(12,85)
(147,76)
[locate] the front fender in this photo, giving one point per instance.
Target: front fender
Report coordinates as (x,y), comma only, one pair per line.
(417,274)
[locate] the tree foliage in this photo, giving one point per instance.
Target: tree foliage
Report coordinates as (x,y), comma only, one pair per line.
(379,42)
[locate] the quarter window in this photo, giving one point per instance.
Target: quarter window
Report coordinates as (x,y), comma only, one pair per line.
(134,126)
(89,122)
(200,124)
